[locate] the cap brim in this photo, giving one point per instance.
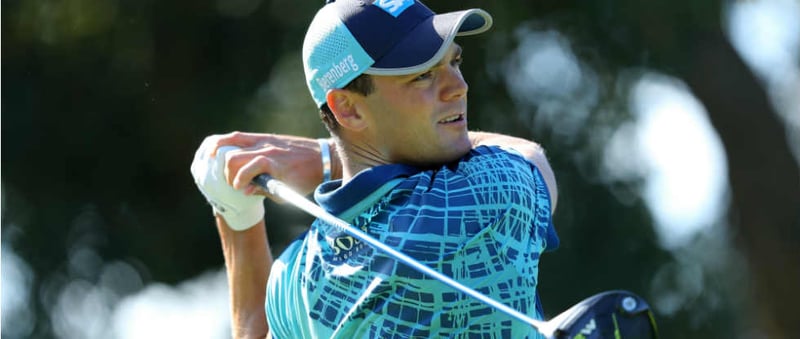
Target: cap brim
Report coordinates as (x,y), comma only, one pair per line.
(427,43)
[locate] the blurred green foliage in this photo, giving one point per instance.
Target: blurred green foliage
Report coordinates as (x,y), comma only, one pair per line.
(104,103)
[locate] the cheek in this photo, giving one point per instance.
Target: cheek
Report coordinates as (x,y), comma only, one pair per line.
(404,113)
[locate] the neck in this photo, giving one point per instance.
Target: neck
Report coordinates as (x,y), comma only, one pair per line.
(356,156)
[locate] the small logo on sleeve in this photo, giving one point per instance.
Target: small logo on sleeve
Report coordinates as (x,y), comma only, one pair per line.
(394,7)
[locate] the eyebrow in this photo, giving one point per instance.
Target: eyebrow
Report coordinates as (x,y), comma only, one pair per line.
(456,52)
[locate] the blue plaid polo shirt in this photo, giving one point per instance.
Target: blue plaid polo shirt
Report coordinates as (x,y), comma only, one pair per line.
(484,221)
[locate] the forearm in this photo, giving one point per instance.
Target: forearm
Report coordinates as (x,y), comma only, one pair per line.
(529,149)
(247,261)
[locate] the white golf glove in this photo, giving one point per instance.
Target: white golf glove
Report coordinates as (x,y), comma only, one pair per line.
(240,211)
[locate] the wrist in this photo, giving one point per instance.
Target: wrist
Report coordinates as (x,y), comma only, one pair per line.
(240,218)
(336,165)
(240,211)
(325,157)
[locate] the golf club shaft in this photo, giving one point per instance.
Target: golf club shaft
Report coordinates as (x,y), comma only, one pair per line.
(281,190)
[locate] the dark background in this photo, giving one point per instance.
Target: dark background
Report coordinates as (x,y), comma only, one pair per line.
(105,102)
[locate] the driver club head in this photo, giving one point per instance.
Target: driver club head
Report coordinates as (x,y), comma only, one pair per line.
(610,314)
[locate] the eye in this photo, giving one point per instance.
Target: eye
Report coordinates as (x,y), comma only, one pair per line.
(424,76)
(456,62)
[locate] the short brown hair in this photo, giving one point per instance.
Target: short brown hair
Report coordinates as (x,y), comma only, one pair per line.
(362,85)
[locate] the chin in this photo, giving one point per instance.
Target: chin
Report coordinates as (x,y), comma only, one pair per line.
(458,150)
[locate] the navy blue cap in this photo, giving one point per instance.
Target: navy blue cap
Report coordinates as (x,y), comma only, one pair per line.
(384,37)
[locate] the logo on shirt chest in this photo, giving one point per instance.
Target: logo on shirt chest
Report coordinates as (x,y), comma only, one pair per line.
(344,247)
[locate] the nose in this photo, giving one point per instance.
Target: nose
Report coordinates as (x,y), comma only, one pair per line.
(454,86)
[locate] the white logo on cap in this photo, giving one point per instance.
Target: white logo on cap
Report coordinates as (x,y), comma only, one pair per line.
(394,7)
(337,71)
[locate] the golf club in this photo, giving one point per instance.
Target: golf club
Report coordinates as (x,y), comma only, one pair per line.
(586,319)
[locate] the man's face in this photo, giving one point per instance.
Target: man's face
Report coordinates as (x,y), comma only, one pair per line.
(420,119)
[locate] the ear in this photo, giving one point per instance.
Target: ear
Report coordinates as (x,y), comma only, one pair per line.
(343,106)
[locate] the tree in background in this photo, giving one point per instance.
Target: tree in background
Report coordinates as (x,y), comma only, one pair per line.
(104,103)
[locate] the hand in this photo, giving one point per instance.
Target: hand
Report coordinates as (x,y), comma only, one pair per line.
(240,210)
(293,160)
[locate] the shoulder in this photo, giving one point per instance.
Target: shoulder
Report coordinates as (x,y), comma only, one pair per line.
(483,168)
(533,155)
(500,154)
(494,159)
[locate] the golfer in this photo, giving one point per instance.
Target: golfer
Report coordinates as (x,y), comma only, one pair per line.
(401,166)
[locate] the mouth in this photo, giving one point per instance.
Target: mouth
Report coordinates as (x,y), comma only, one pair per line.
(452,118)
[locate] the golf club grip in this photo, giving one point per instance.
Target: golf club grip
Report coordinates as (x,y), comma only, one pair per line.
(262,180)
(279,189)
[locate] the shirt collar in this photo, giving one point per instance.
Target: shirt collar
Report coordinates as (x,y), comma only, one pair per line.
(335,198)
